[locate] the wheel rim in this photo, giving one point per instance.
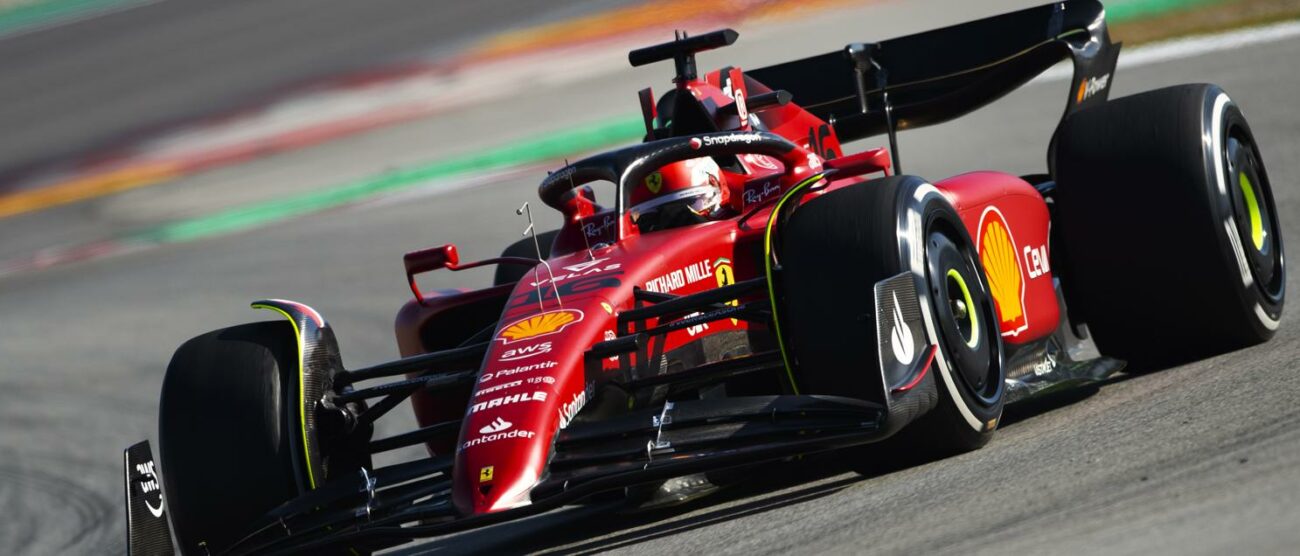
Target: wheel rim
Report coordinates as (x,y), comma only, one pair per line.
(1254,215)
(961,308)
(1256,220)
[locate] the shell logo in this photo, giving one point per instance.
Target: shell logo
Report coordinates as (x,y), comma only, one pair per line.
(997,250)
(539,325)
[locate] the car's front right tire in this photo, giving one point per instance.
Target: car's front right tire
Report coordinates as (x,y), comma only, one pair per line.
(1171,242)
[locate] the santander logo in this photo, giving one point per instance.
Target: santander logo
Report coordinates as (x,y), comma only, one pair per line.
(496,426)
(500,429)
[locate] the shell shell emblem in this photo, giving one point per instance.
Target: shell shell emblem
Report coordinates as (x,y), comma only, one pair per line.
(539,325)
(997,250)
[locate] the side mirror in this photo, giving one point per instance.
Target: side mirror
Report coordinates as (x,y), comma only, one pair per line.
(426,260)
(865,162)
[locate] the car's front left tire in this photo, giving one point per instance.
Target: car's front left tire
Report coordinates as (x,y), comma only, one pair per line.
(835,249)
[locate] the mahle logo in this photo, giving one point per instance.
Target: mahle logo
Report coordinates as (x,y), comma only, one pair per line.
(507,400)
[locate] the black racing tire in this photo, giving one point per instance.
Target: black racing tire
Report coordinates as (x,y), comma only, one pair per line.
(223,432)
(1165,259)
(508,273)
(834,249)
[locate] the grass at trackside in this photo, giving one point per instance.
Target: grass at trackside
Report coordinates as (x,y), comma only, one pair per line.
(550,146)
(17,14)
(1200,17)
(1131,10)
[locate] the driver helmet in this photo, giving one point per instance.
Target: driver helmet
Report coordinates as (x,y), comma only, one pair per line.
(685,192)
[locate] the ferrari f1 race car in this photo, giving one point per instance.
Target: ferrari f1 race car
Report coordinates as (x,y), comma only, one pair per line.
(738,289)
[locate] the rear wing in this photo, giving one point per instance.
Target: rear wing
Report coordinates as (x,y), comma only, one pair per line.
(936,76)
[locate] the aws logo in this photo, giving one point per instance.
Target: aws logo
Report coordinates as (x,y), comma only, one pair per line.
(515,354)
(1001,260)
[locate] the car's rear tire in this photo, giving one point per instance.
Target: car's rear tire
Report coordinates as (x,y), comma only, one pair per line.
(224,435)
(1165,215)
(835,248)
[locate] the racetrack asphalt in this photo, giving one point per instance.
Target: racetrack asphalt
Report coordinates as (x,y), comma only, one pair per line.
(1203,458)
(86,85)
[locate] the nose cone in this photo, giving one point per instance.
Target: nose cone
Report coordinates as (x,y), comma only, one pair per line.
(503,451)
(532,381)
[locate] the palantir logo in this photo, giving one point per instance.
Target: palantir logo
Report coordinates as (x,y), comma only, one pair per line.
(496,426)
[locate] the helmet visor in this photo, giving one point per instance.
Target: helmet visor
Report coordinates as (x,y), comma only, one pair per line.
(701,200)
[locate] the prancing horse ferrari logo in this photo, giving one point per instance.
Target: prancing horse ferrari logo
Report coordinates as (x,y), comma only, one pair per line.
(654,182)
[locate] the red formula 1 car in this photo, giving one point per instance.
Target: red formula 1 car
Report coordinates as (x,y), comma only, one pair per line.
(736,289)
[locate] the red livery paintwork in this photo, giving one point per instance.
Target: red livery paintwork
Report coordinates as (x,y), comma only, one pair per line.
(681,261)
(994,198)
(750,292)
(537,383)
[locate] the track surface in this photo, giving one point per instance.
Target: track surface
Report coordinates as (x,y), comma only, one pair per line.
(1202,458)
(86,84)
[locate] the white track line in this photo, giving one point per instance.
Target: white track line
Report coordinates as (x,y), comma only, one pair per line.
(1177,49)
